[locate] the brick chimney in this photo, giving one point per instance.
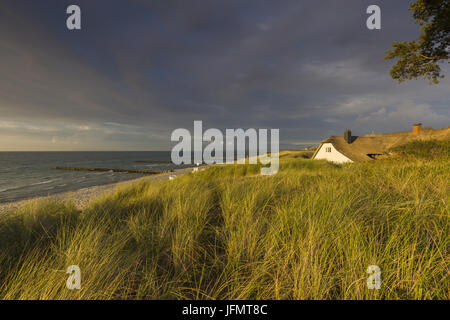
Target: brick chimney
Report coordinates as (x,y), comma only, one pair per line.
(348,136)
(417,128)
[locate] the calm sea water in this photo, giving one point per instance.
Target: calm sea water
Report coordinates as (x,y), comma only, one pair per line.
(32,174)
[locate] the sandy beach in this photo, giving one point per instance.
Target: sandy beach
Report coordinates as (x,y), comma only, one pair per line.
(82,197)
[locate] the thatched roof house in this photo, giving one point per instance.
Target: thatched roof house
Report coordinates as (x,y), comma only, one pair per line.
(350,148)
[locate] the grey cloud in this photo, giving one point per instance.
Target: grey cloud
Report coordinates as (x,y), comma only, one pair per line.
(140,69)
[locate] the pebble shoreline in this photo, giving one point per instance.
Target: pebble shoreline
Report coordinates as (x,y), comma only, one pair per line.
(82,197)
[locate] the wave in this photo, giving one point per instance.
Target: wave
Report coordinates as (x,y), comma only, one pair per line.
(43,182)
(28,185)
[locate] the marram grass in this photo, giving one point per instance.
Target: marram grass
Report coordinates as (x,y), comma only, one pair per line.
(308,232)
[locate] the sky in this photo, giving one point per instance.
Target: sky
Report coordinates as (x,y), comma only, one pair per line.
(139,69)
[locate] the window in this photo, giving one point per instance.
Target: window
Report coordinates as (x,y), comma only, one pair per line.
(328,149)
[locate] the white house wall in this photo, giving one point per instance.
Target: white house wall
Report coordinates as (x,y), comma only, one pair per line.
(334,155)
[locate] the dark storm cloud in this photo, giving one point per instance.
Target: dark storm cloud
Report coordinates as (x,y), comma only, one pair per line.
(139,69)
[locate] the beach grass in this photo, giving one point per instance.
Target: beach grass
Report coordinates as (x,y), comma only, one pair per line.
(308,232)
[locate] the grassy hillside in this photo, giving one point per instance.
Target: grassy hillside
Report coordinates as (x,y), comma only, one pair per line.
(424,150)
(309,232)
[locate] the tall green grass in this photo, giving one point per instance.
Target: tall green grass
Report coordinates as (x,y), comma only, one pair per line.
(308,232)
(425,149)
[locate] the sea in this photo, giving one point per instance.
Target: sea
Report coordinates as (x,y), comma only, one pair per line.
(25,175)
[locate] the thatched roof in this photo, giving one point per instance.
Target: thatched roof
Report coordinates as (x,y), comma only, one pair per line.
(362,147)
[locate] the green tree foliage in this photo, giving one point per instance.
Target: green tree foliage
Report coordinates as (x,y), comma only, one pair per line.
(421,57)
